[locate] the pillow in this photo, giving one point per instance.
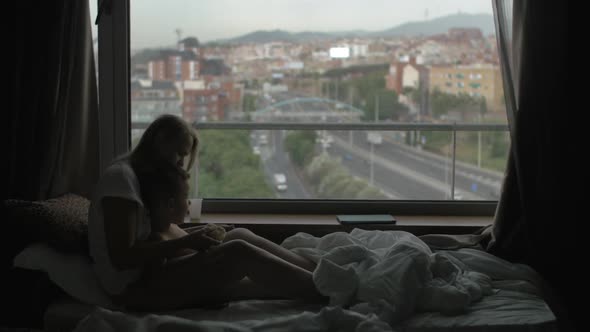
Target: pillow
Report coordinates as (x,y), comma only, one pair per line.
(71,272)
(60,222)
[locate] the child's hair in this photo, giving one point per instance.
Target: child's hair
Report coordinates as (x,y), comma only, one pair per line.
(162,183)
(169,127)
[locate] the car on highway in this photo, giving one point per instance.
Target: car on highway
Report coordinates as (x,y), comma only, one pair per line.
(280,181)
(374,138)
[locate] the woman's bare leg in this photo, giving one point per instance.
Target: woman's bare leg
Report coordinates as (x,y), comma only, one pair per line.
(273,248)
(214,277)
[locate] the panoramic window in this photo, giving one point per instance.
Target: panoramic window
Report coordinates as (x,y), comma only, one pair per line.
(326,100)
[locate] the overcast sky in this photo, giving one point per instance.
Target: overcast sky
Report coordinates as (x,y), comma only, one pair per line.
(153,22)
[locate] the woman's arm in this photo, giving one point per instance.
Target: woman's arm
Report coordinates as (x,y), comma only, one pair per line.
(191,227)
(120,222)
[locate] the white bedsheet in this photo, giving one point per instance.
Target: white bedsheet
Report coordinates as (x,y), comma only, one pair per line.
(377,281)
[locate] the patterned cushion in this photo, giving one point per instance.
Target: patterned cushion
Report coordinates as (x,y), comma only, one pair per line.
(60,222)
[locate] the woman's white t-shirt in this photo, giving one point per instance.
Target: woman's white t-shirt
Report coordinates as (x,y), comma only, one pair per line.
(118,180)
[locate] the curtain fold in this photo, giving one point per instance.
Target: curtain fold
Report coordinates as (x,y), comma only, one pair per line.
(534,223)
(509,236)
(72,159)
(51,134)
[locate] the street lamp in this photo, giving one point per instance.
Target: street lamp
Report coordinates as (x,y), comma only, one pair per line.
(372,167)
(351,103)
(482,109)
(479,143)
(323,139)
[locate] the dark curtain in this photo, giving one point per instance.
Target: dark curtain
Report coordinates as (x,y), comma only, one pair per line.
(534,223)
(49,129)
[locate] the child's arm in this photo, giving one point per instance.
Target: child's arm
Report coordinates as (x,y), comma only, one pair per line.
(190,227)
(175,232)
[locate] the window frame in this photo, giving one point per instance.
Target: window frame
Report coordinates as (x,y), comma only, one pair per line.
(115,139)
(113,79)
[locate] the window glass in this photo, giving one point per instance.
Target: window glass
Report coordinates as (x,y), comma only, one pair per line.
(332,63)
(92,4)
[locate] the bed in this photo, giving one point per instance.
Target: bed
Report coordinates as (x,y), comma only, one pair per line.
(376,281)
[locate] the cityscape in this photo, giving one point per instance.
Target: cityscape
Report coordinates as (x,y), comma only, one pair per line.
(441,77)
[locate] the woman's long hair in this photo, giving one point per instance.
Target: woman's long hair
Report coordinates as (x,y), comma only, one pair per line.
(168,127)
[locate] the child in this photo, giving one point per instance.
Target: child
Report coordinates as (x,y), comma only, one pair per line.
(165,194)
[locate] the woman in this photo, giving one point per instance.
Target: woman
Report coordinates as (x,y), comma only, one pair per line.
(119,227)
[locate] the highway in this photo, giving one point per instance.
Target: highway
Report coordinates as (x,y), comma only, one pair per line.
(400,171)
(276,160)
(408,173)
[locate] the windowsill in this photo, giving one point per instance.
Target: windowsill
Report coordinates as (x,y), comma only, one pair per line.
(277,227)
(315,219)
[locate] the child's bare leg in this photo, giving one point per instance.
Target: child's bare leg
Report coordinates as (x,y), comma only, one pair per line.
(276,274)
(273,248)
(214,277)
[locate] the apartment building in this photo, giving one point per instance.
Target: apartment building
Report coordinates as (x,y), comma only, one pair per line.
(475,80)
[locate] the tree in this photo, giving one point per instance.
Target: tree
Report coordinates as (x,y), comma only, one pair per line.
(249,103)
(301,145)
(369,84)
(365,88)
(499,144)
(228,167)
(442,103)
(483,106)
(436,141)
(319,167)
(246,182)
(389,106)
(371,193)
(331,185)
(415,94)
(332,180)
(353,187)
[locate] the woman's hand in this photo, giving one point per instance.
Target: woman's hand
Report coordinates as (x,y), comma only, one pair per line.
(198,240)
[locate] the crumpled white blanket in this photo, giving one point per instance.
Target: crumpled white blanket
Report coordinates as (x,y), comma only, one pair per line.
(375,279)
(390,273)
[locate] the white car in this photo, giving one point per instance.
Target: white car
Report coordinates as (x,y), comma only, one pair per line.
(280,181)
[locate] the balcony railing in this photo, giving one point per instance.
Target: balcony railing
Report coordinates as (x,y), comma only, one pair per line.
(453,128)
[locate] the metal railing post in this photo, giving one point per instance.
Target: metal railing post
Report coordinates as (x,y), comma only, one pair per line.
(454,158)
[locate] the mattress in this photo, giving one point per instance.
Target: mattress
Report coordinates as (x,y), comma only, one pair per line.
(504,311)
(376,281)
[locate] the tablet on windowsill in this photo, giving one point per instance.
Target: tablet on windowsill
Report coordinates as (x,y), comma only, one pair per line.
(356,219)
